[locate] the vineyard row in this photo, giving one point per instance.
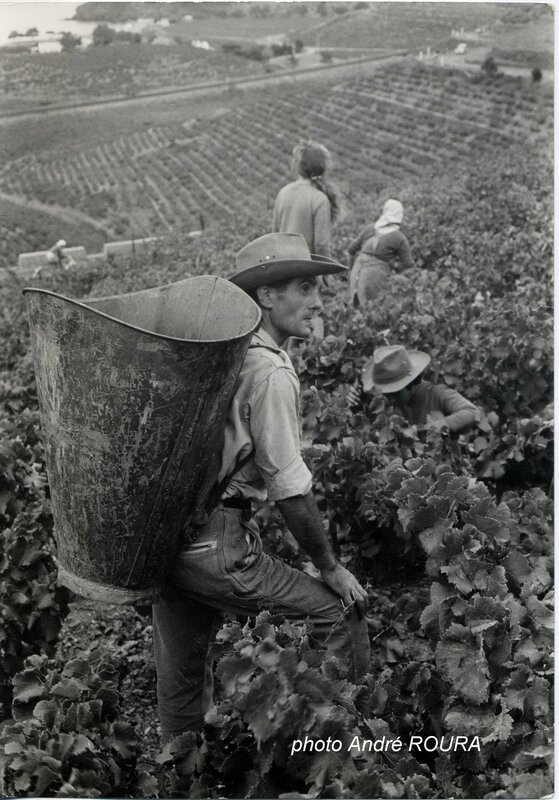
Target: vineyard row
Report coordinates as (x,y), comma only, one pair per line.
(399,121)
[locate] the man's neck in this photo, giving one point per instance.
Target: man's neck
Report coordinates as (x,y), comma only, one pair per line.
(272,331)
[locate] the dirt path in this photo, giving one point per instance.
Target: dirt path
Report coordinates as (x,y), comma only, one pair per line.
(324,71)
(60,212)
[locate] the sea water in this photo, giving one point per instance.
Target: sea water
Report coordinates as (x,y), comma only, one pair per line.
(50,19)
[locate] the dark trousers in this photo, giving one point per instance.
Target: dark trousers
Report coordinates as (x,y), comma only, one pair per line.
(227,570)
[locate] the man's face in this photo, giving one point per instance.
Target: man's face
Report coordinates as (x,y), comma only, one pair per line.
(293,306)
(402,397)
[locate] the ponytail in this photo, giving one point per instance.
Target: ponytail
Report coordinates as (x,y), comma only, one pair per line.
(328,189)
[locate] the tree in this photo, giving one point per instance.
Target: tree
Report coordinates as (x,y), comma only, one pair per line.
(69,41)
(281,49)
(32,32)
(536,74)
(489,66)
(299,45)
(102,35)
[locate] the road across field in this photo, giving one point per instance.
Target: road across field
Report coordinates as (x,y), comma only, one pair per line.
(325,71)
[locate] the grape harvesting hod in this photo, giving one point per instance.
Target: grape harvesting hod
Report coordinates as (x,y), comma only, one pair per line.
(133,391)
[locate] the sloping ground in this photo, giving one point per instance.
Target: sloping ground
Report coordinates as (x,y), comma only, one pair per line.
(24,227)
(536,35)
(400,121)
(481,306)
(407,25)
(508,27)
(111,70)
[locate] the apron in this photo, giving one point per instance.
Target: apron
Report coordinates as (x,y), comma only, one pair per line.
(369,275)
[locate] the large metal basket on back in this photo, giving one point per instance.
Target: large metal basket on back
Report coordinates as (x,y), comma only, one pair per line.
(133,396)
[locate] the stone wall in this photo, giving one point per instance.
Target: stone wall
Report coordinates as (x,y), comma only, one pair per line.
(125,249)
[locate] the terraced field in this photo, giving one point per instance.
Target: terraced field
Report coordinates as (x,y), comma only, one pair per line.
(402,25)
(402,120)
(113,70)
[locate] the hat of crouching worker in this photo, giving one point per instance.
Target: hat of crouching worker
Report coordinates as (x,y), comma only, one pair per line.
(277,257)
(392,367)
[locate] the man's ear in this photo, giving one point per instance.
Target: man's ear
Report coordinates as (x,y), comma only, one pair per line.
(264,297)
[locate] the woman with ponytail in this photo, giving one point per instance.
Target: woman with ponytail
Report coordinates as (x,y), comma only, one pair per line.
(310,204)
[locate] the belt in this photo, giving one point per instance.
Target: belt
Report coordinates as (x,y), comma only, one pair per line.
(237,502)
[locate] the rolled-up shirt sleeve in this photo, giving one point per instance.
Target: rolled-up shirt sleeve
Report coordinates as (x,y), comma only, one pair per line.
(274,427)
(459,413)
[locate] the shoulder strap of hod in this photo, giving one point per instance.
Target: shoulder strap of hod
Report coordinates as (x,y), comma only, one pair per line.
(200,516)
(218,489)
(263,347)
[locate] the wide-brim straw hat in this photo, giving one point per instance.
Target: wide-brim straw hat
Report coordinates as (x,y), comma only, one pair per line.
(277,257)
(392,367)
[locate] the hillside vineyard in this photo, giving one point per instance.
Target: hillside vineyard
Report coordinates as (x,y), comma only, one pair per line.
(449,534)
(402,120)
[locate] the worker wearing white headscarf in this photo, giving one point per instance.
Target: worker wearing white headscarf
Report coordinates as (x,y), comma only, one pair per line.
(373,252)
(391,217)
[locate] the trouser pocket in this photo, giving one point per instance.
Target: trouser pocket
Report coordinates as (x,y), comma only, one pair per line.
(253,542)
(241,544)
(197,548)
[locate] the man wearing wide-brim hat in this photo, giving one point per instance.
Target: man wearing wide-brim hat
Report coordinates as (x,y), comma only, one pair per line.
(397,373)
(225,568)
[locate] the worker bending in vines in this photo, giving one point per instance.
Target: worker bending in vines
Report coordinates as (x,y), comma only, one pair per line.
(397,373)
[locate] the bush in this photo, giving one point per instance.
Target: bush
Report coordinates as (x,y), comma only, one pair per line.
(281,49)
(69,41)
(102,35)
(489,67)
(66,738)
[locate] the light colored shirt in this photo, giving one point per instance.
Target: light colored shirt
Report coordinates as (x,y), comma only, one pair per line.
(264,421)
(440,402)
(302,208)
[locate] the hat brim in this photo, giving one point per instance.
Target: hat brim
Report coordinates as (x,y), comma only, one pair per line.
(418,361)
(276,271)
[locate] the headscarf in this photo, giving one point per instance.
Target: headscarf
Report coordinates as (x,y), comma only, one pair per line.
(391,217)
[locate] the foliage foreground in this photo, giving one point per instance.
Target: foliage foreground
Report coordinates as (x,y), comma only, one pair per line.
(462,527)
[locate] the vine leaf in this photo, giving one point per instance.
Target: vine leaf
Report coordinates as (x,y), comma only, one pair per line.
(28,685)
(463,664)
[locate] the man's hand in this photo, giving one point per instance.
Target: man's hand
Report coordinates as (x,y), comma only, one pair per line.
(305,523)
(341,581)
(355,398)
(436,422)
